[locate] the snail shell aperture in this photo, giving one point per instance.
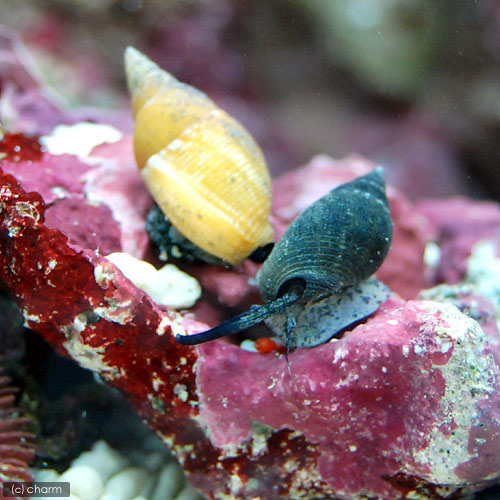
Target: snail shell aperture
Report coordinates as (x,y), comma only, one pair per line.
(201,166)
(327,254)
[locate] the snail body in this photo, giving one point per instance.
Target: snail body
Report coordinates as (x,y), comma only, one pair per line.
(317,322)
(327,254)
(201,166)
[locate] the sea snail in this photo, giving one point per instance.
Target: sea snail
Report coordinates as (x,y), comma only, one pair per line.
(203,169)
(315,281)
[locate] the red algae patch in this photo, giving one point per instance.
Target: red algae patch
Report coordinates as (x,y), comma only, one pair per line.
(13,147)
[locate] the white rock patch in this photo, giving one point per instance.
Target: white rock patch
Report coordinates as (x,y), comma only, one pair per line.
(79,139)
(168,286)
(483,271)
(88,357)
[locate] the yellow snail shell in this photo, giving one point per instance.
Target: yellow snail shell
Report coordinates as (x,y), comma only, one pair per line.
(202,167)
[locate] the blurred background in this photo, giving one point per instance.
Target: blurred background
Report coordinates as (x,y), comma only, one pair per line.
(411,84)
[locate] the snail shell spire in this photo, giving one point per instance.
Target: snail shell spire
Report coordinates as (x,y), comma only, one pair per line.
(336,242)
(202,167)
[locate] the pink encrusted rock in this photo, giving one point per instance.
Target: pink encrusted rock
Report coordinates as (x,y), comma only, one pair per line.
(459,223)
(474,303)
(232,287)
(478,295)
(116,183)
(98,200)
(401,397)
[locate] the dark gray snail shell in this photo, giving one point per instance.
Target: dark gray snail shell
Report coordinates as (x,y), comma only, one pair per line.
(338,241)
(330,250)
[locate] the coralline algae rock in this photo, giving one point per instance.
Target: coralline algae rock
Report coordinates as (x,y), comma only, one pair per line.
(397,400)
(483,271)
(458,224)
(478,295)
(403,406)
(96,201)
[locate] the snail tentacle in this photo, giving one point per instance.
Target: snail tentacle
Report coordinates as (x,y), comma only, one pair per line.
(243,321)
(291,323)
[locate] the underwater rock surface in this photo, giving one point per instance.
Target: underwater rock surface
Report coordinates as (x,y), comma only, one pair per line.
(456,236)
(413,393)
(405,404)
